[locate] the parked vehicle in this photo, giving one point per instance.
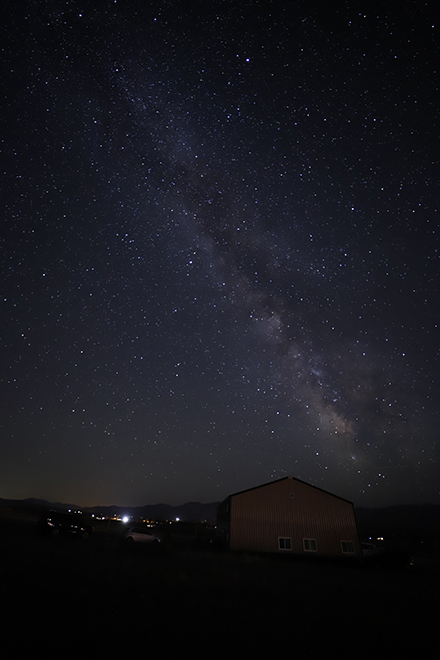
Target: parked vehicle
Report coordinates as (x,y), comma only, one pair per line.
(387,556)
(60,523)
(140,535)
(369,549)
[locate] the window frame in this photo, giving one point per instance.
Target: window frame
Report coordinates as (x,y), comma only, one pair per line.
(286,547)
(310,541)
(351,545)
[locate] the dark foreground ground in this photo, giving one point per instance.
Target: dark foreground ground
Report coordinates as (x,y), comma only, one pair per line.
(94,598)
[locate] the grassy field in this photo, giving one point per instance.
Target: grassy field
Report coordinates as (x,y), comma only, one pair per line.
(95,597)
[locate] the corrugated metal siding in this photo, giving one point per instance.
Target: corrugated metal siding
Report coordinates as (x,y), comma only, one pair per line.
(291,509)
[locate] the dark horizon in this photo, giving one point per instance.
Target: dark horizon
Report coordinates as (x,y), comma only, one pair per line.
(395,523)
(57,502)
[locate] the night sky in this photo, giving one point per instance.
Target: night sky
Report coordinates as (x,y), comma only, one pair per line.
(220,250)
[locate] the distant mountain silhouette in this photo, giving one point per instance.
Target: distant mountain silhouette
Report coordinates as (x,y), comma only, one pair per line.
(32,504)
(418,520)
(189,512)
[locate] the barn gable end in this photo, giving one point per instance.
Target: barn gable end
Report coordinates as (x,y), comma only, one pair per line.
(289,515)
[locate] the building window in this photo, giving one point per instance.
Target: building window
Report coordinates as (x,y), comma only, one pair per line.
(347,547)
(284,543)
(309,545)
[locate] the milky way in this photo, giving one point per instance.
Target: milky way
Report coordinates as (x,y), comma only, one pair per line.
(220,251)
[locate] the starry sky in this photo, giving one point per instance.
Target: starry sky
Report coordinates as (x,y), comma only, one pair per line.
(220,250)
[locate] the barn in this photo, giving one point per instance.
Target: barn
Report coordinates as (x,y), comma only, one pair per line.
(288,516)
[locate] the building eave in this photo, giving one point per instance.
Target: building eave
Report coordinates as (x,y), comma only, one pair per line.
(270,483)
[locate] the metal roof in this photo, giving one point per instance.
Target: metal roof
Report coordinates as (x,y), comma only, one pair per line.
(270,483)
